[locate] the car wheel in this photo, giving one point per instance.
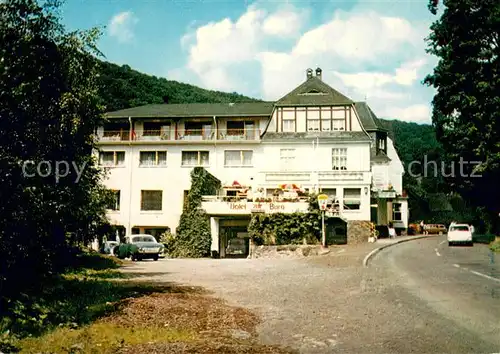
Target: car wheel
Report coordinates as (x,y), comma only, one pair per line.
(133,257)
(155,258)
(450,243)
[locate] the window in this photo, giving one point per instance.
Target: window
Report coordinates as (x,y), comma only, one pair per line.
(352,198)
(288,125)
(112,158)
(115,202)
(287,158)
(151,200)
(238,158)
(313,120)
(153,158)
(381,144)
(339,159)
(338,124)
(195,158)
(396,212)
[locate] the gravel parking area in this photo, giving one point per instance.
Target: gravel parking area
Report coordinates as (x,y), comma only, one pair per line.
(321,304)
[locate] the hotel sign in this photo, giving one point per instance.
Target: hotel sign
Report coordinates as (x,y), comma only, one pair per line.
(258,207)
(387,194)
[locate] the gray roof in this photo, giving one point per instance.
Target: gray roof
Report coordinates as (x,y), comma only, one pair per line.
(337,136)
(381,157)
(314,92)
(368,118)
(195,110)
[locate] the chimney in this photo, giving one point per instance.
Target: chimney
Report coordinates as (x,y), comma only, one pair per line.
(309,73)
(318,73)
(165,99)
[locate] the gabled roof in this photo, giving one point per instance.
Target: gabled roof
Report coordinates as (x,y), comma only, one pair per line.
(368,118)
(314,92)
(196,110)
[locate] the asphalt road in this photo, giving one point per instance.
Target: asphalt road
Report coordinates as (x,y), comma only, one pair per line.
(460,285)
(409,299)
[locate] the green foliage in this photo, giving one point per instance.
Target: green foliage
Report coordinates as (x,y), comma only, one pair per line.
(122,87)
(495,246)
(48,112)
(193,236)
(73,299)
(466,107)
(285,229)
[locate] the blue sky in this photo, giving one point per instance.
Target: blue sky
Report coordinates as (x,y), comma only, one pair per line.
(369,50)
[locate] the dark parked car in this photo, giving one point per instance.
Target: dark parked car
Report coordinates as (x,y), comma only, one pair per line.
(138,247)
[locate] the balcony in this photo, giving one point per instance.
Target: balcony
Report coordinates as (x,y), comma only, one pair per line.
(153,135)
(239,134)
(196,135)
(114,135)
(340,176)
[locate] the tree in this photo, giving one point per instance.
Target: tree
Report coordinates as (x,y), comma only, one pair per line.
(466,107)
(49,111)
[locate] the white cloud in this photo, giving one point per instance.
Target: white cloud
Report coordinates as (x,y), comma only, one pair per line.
(362,53)
(121,26)
(283,23)
(419,113)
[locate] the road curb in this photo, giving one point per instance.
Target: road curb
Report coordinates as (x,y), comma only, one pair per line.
(378,249)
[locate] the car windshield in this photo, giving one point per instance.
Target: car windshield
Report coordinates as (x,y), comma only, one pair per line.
(459,228)
(143,239)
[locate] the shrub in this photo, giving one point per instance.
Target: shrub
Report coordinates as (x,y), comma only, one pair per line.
(193,236)
(284,229)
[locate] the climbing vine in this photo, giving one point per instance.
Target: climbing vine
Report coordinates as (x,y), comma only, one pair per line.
(193,236)
(285,229)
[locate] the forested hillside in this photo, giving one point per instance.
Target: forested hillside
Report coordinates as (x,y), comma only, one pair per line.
(122,87)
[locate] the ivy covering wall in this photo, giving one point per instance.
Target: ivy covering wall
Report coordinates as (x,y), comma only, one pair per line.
(193,237)
(287,229)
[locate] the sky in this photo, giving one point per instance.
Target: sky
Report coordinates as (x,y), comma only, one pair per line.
(370,50)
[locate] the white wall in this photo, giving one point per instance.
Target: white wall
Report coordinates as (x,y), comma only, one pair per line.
(173,178)
(396,169)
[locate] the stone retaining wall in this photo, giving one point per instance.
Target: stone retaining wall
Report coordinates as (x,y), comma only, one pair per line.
(286,251)
(358,231)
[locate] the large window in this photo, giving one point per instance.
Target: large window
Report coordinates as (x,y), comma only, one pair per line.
(112,158)
(287,158)
(151,200)
(352,198)
(396,212)
(115,202)
(339,159)
(195,158)
(238,158)
(153,158)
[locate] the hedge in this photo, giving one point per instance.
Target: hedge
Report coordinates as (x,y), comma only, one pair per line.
(193,237)
(286,229)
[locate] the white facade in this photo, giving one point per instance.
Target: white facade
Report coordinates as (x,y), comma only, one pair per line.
(323,148)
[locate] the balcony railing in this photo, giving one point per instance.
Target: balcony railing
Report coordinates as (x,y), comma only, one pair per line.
(114,135)
(255,199)
(196,134)
(183,135)
(239,134)
(153,135)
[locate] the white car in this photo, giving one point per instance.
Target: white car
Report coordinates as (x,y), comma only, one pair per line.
(460,233)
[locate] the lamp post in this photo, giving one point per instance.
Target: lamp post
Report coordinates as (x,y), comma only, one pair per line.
(322,202)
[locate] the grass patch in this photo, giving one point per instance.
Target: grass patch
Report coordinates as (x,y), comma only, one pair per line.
(101,338)
(495,246)
(93,308)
